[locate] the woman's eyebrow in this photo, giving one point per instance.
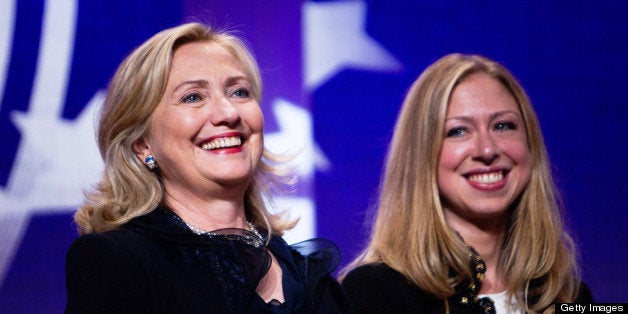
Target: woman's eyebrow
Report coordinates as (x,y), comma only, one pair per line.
(201,83)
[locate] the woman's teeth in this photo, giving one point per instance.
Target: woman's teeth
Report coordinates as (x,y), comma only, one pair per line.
(487,178)
(223,142)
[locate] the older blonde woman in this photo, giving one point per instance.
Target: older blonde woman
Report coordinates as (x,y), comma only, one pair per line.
(178,223)
(468,217)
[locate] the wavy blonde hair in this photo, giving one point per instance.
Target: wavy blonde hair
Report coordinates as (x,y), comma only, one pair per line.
(127,188)
(410,233)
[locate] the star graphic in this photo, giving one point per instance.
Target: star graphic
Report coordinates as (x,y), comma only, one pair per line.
(57,160)
(295,138)
(43,176)
(334,38)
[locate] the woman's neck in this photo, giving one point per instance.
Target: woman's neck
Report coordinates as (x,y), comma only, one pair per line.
(488,245)
(208,214)
(487,239)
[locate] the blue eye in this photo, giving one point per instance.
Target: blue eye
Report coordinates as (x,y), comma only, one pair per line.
(191,98)
(504,126)
(242,93)
(456,132)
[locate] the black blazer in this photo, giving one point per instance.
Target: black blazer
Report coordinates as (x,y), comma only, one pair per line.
(154,264)
(377,288)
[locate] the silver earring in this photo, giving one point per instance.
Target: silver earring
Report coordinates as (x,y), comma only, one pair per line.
(150,162)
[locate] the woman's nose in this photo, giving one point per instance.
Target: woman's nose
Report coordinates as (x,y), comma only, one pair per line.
(486,149)
(223,112)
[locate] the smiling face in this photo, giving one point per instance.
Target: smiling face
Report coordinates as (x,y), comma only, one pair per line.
(206,132)
(485,163)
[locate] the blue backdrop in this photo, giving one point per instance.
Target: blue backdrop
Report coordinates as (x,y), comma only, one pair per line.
(335,73)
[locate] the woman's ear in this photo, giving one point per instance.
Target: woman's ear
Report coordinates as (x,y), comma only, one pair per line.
(141,148)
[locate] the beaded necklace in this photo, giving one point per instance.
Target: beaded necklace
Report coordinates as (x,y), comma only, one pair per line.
(200,231)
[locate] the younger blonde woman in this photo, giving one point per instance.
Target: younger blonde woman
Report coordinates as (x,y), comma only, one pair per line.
(468,217)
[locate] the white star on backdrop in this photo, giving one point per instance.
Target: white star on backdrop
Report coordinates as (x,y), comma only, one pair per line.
(295,138)
(40,180)
(335,39)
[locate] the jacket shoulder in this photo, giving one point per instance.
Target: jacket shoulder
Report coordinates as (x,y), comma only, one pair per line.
(102,274)
(377,288)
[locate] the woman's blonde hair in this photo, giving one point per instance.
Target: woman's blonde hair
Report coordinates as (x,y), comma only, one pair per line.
(128,189)
(410,233)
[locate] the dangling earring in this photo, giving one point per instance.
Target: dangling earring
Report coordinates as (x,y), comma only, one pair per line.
(150,162)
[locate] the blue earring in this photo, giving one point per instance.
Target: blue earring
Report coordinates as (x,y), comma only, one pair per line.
(150,162)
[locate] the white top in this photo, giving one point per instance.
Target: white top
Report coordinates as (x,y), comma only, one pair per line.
(502,304)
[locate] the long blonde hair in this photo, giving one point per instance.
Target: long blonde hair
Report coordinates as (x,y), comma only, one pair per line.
(127,188)
(410,233)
